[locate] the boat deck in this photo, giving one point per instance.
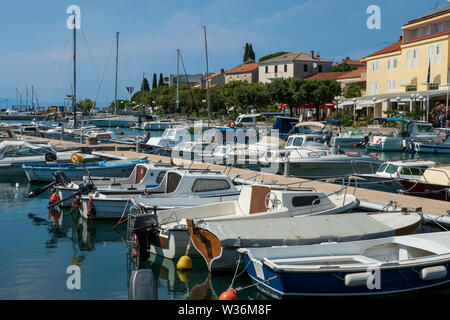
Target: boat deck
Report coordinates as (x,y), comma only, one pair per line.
(429,205)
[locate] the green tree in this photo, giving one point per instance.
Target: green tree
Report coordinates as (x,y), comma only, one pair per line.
(251,54)
(343,67)
(161,80)
(246,52)
(154,82)
(145,86)
(85,105)
(352,92)
(272,55)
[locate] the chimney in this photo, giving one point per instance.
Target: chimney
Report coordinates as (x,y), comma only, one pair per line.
(222,70)
(312,54)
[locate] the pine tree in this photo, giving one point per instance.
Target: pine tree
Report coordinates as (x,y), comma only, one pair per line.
(246,52)
(161,80)
(251,54)
(154,82)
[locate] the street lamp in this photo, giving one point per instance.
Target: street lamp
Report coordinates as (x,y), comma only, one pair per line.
(354,107)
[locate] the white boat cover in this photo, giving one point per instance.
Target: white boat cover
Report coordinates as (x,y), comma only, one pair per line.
(437,175)
(308,230)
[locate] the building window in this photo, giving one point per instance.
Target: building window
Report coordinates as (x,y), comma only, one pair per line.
(415,53)
(376,66)
(371,88)
(408,58)
(394,84)
(285,68)
(305,68)
(433,86)
(411,88)
(430,54)
(438,53)
(389,64)
(372,67)
(376,87)
(275,69)
(394,64)
(267,69)
(389,85)
(320,68)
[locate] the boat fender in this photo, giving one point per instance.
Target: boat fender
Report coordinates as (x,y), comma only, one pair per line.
(230,294)
(90,207)
(143,285)
(184,263)
(352,153)
(231,124)
(433,273)
(77,158)
(54,198)
(357,279)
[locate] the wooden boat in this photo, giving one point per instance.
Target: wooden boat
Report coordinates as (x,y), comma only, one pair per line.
(434,184)
(368,267)
(44,172)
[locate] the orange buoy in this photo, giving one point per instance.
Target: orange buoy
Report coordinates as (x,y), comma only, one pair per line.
(54,198)
(230,294)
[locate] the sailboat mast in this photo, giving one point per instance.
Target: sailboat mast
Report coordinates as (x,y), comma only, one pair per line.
(178,75)
(207,75)
(117,64)
(74,94)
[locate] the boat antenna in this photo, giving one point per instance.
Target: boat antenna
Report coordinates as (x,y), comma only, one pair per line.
(117,64)
(189,86)
(207,75)
(74,94)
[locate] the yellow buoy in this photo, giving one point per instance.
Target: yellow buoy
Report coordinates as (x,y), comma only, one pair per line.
(117,128)
(77,158)
(184,276)
(185,263)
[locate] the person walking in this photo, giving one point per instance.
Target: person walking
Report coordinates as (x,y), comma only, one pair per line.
(442,120)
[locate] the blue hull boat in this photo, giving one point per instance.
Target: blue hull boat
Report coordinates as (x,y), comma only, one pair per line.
(369,267)
(44,172)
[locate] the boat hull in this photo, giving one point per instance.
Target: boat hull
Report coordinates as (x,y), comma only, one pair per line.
(331,283)
(426,190)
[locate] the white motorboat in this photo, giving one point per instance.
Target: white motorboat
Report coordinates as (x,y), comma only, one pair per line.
(169,138)
(349,138)
(15,153)
(440,148)
(143,177)
(410,131)
(317,160)
(179,188)
(367,267)
(114,121)
(257,202)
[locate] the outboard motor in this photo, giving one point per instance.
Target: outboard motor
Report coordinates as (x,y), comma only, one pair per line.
(326,139)
(142,285)
(50,157)
(141,228)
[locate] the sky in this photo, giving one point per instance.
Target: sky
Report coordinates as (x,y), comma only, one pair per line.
(36,46)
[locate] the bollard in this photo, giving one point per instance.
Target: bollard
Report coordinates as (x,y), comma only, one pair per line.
(287,165)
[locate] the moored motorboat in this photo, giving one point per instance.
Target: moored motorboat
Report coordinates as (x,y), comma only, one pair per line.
(433,184)
(44,172)
(368,267)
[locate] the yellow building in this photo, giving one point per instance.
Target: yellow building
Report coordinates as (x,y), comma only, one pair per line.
(397,76)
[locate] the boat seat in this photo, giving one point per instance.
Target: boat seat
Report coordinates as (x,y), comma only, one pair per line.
(252,199)
(140,173)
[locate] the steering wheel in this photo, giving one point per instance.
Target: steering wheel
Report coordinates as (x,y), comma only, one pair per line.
(271,201)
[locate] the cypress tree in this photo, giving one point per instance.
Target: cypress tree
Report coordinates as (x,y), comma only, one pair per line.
(154,82)
(161,80)
(145,86)
(251,54)
(246,52)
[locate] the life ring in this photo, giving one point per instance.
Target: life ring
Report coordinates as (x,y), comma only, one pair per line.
(231,124)
(90,207)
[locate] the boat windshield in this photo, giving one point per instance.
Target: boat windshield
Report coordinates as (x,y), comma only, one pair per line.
(413,171)
(391,169)
(19,151)
(425,128)
(382,167)
(298,141)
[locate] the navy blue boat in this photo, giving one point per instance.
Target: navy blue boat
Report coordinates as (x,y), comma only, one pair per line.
(369,267)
